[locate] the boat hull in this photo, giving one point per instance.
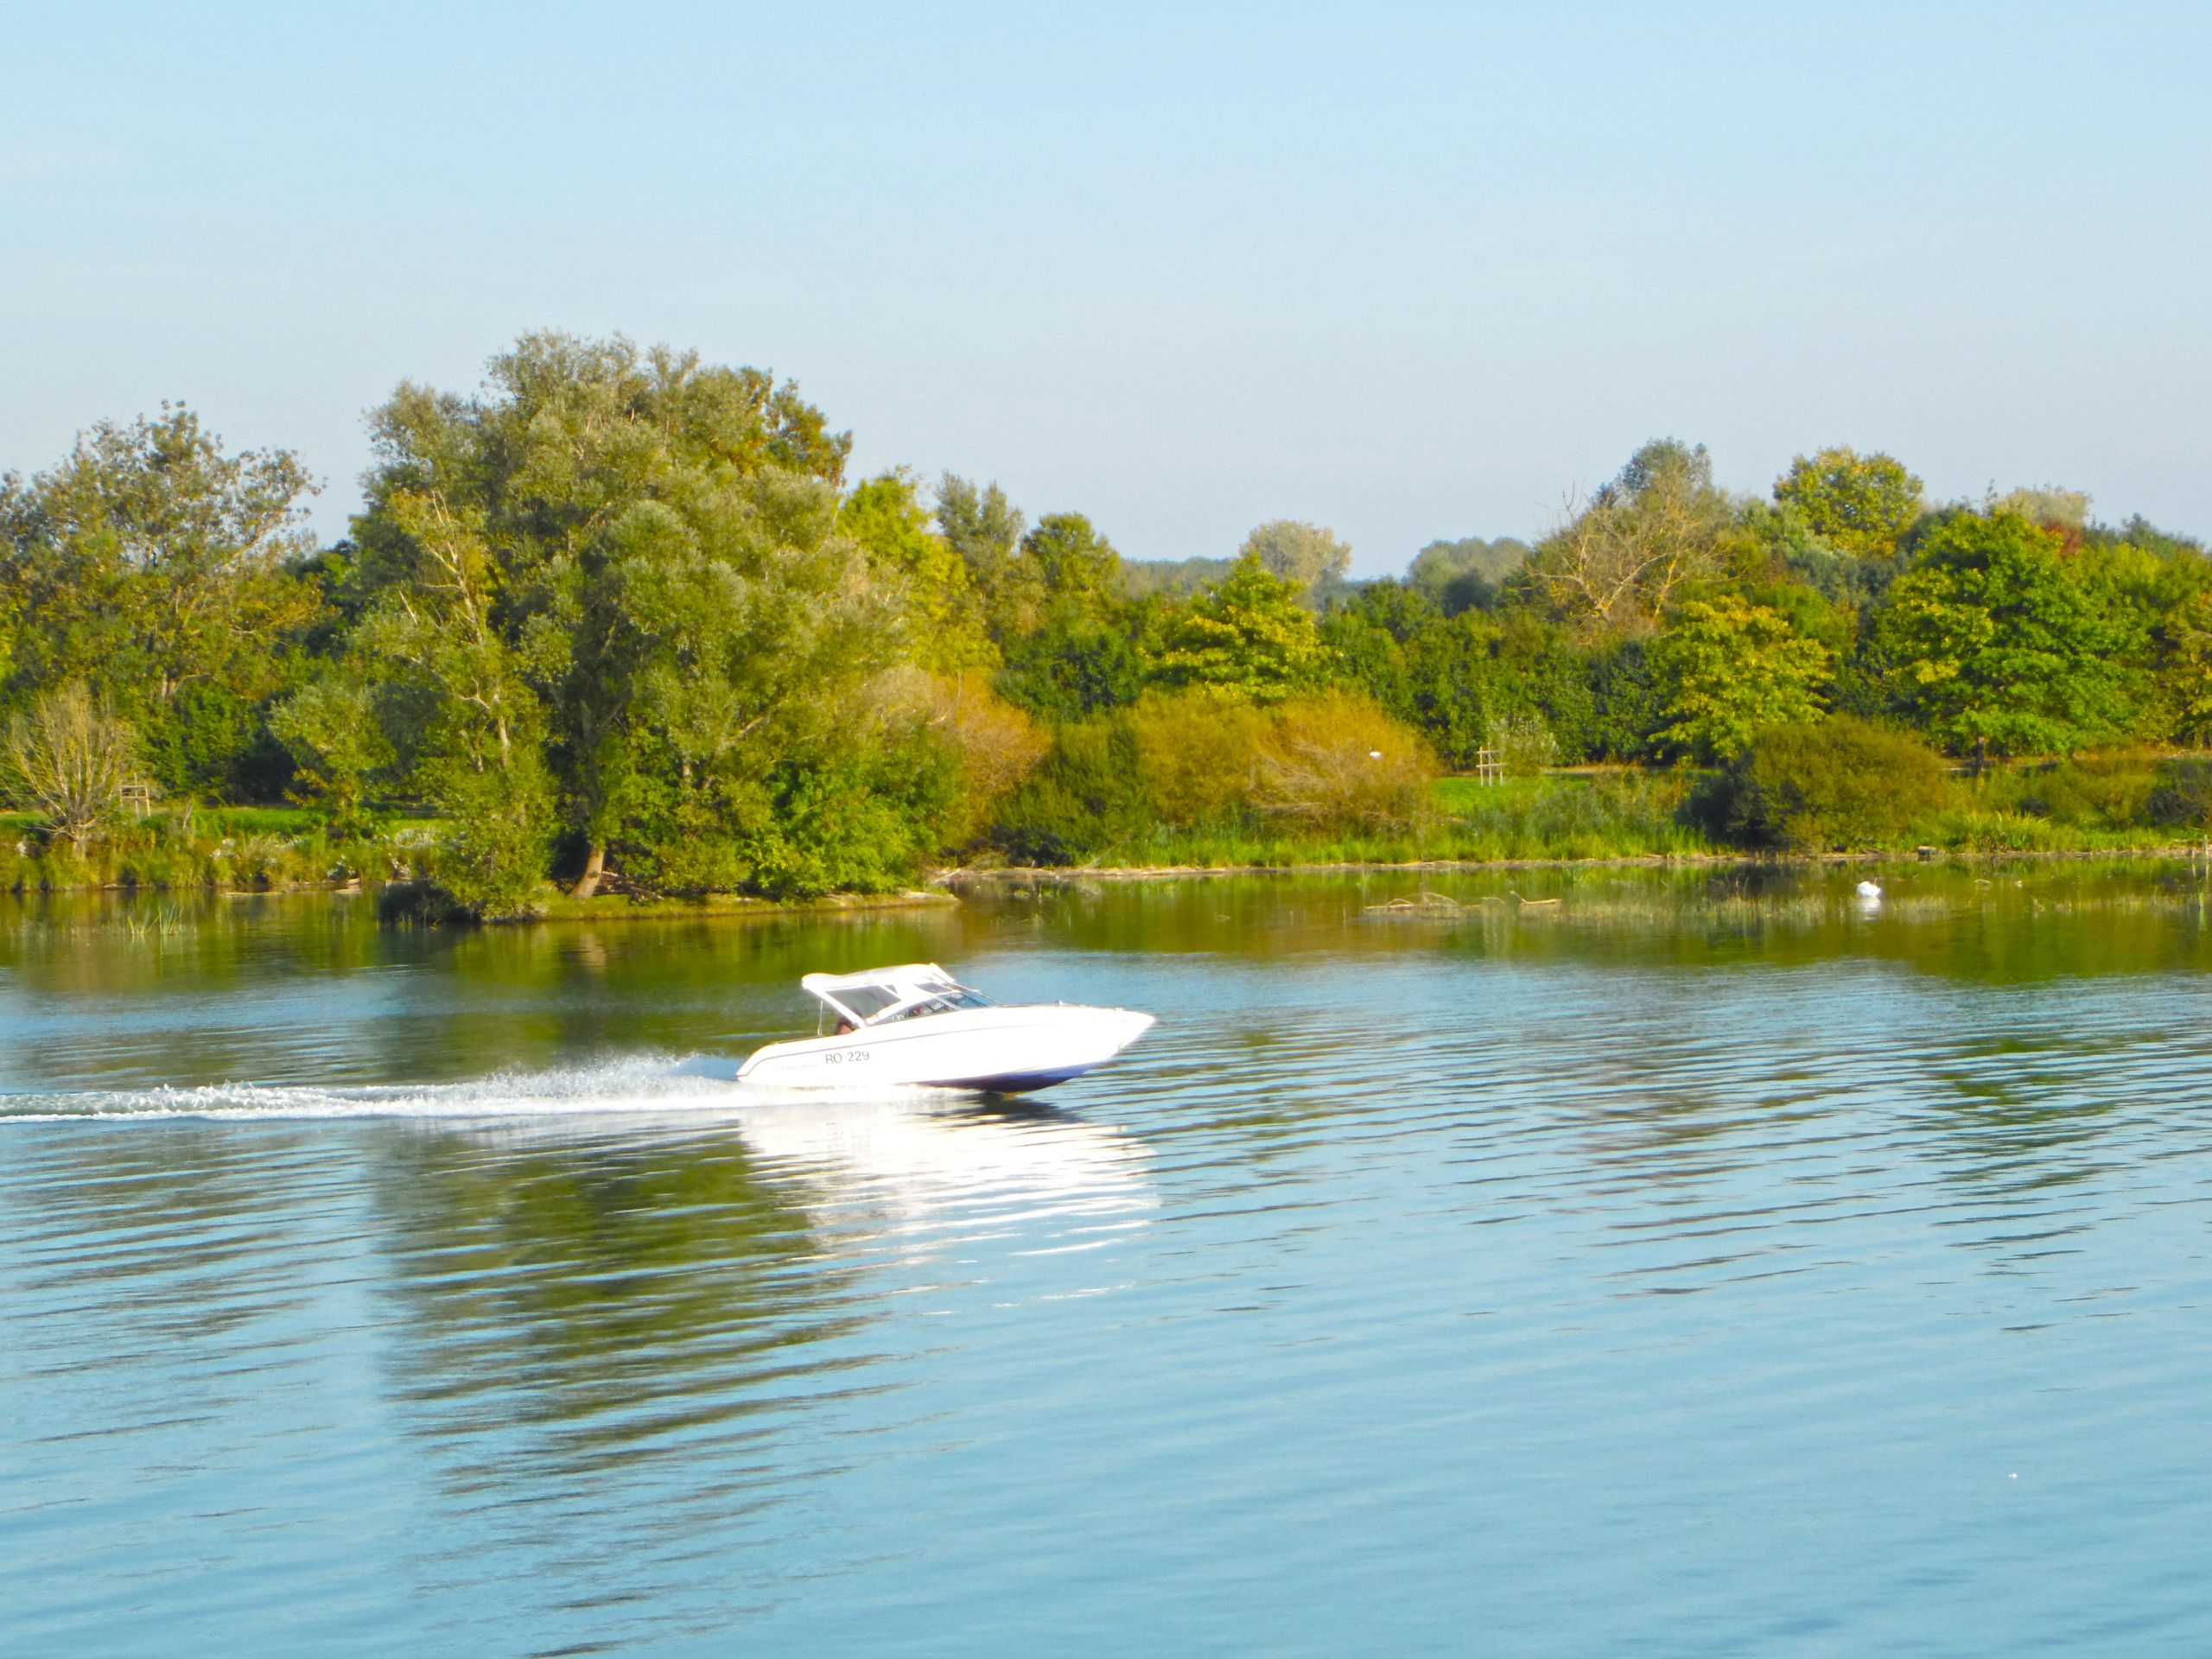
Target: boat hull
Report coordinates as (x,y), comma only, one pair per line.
(1004,1050)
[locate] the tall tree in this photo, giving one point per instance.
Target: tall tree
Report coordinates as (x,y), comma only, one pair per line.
(1995,636)
(947,630)
(2184,641)
(1463,575)
(1862,503)
(1730,670)
(1079,656)
(1298,552)
(157,565)
(1076,569)
(1616,564)
(1250,637)
(616,580)
(984,528)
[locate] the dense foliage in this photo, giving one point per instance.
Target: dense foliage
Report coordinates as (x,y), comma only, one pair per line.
(618,617)
(1832,785)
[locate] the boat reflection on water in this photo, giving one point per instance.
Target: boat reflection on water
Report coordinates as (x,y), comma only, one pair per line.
(914,1163)
(609,1292)
(925,1164)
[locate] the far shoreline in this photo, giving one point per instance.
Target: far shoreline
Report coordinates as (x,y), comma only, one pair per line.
(1041,875)
(946,888)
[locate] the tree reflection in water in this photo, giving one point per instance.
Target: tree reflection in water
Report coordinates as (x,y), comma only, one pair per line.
(584,1299)
(575,1296)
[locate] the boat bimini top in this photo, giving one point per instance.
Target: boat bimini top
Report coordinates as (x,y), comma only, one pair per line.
(880,996)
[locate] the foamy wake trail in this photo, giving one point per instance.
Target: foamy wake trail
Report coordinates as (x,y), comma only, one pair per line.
(639,1083)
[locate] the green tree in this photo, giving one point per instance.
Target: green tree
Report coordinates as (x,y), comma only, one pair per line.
(947,631)
(1067,672)
(984,528)
(1995,636)
(1861,503)
(1453,684)
(2184,675)
(1465,575)
(613,584)
(1306,555)
(1730,670)
(439,636)
(162,570)
(337,742)
(1249,636)
(1368,635)
(1076,569)
(1631,696)
(1078,656)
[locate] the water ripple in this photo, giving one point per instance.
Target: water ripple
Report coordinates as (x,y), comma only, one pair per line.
(1685,1272)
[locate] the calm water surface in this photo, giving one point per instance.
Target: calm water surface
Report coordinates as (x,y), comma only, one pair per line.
(1696,1265)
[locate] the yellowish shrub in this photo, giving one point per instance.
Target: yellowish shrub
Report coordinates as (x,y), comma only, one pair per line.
(997,744)
(1337,762)
(1199,754)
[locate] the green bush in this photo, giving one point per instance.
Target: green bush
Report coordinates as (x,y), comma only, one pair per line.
(492,860)
(420,903)
(1823,785)
(859,822)
(2181,798)
(2102,792)
(1089,794)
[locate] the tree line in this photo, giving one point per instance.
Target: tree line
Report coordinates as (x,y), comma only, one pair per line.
(618,617)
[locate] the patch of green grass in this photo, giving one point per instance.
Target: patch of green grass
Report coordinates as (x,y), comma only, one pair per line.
(1976,829)
(1459,795)
(1626,814)
(260,820)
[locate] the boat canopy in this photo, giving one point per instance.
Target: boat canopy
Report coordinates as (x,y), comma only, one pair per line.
(877,995)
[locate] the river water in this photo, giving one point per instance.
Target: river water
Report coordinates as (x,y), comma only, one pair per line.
(1701,1263)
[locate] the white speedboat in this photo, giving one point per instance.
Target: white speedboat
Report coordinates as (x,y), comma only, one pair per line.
(917,1025)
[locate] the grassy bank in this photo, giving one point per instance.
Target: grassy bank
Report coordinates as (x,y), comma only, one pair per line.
(2113,803)
(2109,805)
(1625,815)
(222,850)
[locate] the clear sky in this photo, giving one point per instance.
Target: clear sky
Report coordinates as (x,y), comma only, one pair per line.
(1410,271)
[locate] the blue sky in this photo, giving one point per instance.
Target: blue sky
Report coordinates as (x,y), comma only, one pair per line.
(1410,271)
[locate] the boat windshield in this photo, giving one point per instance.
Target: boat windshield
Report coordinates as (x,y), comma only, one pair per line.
(943,1002)
(868,1000)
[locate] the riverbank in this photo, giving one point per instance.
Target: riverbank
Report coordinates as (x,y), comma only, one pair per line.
(418,904)
(1012,875)
(623,907)
(2108,807)
(944,887)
